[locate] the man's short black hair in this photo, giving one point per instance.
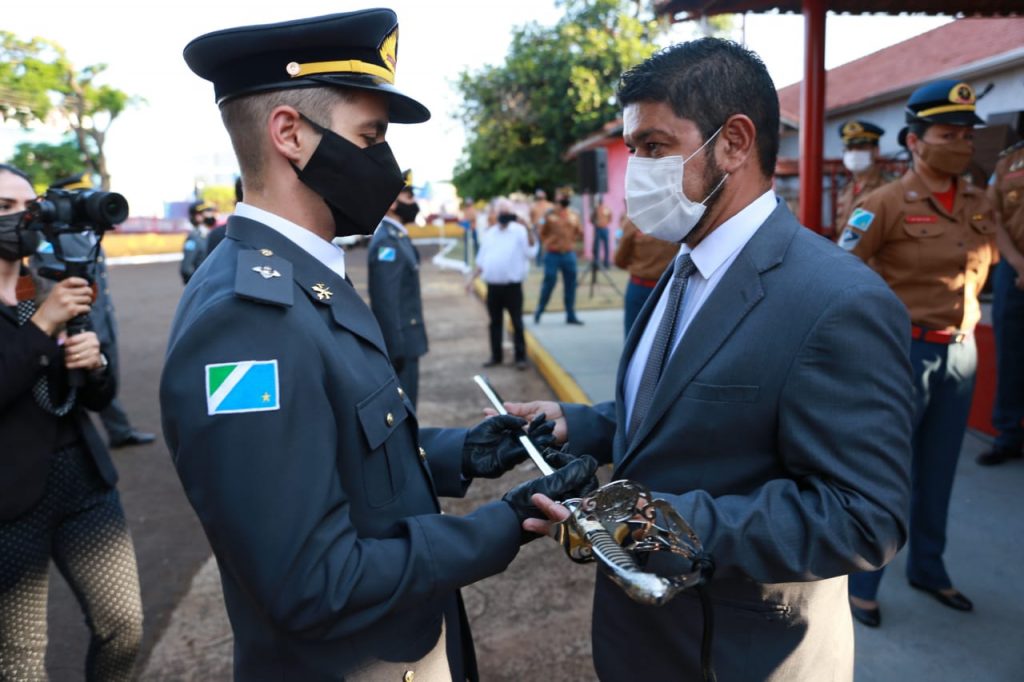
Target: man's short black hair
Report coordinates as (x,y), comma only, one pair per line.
(707,81)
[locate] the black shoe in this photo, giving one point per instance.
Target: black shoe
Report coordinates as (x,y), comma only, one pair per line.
(998,456)
(870,617)
(492,363)
(133,438)
(954,601)
(521,365)
(536,318)
(575,320)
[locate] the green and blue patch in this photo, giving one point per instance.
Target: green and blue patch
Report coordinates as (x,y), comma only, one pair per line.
(861,219)
(248,386)
(386,254)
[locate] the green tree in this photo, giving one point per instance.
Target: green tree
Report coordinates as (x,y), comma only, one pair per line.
(46,163)
(557,85)
(39,84)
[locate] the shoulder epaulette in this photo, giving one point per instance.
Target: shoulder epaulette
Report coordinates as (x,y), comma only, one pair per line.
(265,278)
(1012,148)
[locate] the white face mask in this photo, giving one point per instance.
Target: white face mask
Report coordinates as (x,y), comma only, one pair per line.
(655,202)
(857,160)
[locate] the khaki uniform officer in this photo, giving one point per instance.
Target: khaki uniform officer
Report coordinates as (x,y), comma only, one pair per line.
(1007,194)
(861,158)
(931,236)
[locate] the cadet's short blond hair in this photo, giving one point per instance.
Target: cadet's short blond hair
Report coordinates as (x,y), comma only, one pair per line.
(246,119)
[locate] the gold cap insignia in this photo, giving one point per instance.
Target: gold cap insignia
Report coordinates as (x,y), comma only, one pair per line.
(389,50)
(852,128)
(962,93)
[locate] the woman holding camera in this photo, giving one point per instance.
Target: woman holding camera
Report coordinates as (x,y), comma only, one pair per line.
(57,494)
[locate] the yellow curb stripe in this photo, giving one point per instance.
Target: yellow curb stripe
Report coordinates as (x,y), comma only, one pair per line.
(565,387)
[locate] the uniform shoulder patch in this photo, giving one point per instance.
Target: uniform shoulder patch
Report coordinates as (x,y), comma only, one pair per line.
(849,239)
(861,219)
(245,386)
(386,254)
(264,279)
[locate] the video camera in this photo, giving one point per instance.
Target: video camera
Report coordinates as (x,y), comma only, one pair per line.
(73,222)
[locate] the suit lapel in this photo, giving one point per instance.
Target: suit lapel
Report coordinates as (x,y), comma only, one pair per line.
(738,292)
(321,284)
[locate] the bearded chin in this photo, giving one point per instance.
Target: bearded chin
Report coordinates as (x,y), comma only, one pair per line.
(713,175)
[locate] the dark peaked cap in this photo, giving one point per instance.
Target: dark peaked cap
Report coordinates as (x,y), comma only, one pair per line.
(353,49)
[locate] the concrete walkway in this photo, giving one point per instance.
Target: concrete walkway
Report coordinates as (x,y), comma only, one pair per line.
(919,640)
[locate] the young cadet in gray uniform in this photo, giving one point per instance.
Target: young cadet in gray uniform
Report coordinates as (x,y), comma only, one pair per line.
(296,446)
(394,272)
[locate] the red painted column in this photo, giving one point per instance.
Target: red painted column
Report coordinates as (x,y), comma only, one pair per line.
(812,114)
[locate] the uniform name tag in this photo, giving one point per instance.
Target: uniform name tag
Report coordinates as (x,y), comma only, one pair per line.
(916,219)
(247,386)
(386,254)
(861,219)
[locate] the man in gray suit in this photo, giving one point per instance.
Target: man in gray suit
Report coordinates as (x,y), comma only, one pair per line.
(764,391)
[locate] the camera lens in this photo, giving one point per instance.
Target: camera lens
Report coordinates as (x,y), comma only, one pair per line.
(106,208)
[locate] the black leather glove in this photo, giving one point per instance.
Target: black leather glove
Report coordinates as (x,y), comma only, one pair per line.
(574,479)
(492,447)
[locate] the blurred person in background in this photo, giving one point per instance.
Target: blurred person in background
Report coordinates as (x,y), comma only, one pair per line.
(559,231)
(58,499)
(203,217)
(601,218)
(1006,192)
(503,263)
(861,157)
(393,264)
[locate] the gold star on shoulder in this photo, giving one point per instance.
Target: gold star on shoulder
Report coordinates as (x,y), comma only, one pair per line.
(323,293)
(266,397)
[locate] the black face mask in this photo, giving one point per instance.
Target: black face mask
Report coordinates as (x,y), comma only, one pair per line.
(564,203)
(407,212)
(357,184)
(209,221)
(15,241)
(506,218)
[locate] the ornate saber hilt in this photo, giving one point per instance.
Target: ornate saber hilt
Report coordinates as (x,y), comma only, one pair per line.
(528,445)
(620,526)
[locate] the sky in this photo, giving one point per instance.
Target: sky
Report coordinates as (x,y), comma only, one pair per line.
(158,150)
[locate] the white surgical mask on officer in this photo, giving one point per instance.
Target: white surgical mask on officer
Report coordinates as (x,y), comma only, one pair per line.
(857,160)
(654,195)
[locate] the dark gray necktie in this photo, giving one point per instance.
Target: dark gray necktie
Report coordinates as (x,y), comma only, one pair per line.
(684,267)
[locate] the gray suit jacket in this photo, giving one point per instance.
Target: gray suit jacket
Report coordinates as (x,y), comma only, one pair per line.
(781,432)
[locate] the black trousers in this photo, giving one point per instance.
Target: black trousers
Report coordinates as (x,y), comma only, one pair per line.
(80,524)
(502,297)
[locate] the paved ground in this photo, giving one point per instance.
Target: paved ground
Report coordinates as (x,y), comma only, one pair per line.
(533,621)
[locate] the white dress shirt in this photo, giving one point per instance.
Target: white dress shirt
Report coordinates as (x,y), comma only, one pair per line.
(326,252)
(504,254)
(712,257)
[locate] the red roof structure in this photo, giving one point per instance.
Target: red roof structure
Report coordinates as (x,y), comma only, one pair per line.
(921,58)
(691,9)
